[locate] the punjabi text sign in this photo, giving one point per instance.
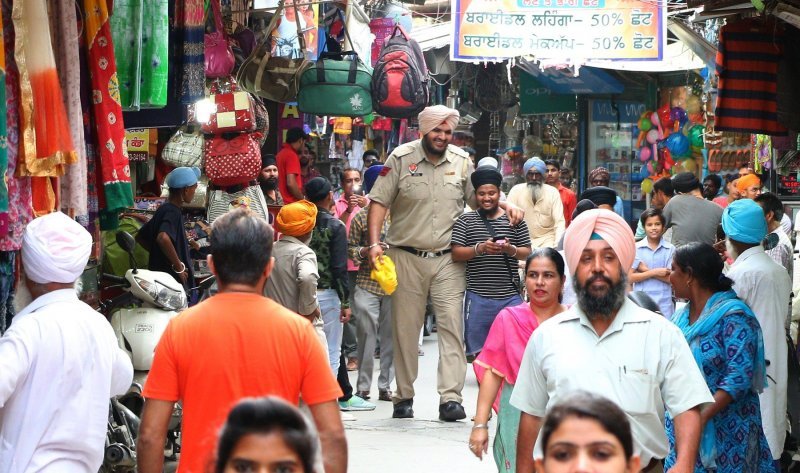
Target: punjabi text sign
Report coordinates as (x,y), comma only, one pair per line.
(558,29)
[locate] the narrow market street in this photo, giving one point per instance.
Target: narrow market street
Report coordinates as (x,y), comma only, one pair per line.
(376,442)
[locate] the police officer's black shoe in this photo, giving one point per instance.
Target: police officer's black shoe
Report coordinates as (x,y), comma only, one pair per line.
(451,411)
(403,410)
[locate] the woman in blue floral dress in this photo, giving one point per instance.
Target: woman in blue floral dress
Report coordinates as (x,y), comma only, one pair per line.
(726,341)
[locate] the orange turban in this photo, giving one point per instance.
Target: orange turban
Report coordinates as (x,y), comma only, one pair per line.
(747,181)
(609,226)
(434,116)
(297,218)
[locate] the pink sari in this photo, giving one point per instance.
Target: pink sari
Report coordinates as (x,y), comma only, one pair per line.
(505,345)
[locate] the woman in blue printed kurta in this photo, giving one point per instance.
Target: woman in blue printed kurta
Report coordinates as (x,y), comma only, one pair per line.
(726,341)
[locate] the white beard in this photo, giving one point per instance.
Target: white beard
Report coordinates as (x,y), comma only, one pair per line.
(731,250)
(536,190)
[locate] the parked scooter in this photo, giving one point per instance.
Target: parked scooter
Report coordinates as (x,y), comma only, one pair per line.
(139,317)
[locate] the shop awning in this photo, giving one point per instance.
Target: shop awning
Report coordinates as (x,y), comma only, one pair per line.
(589,81)
(433,36)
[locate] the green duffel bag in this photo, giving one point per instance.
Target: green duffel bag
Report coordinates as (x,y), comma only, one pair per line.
(336,87)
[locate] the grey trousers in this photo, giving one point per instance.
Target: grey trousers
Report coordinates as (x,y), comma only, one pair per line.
(374,323)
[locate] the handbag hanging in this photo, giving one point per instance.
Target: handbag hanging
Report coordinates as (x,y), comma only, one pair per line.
(219,59)
(184,148)
(350,81)
(234,110)
(272,77)
(234,161)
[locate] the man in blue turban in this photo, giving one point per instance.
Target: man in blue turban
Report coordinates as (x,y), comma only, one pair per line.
(766,287)
(544,212)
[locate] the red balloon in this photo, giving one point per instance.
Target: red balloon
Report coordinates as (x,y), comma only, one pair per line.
(665,116)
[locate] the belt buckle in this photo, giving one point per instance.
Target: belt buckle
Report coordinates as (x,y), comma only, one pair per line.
(430,254)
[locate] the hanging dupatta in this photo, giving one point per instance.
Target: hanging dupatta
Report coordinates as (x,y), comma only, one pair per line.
(720,304)
(3,140)
(114,171)
(155,54)
(190,15)
(126,30)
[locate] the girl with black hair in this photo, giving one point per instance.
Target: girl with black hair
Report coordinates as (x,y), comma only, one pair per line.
(266,435)
(725,338)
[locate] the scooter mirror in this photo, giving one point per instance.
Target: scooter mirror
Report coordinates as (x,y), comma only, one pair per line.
(126,241)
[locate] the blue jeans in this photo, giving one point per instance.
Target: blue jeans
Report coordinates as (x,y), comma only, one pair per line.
(331,309)
(479,314)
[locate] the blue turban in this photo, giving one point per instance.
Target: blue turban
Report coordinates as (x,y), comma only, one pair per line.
(370,176)
(183,177)
(535,163)
(743,220)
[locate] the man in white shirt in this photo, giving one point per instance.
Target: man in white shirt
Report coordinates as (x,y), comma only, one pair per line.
(59,360)
(608,345)
(766,287)
(544,211)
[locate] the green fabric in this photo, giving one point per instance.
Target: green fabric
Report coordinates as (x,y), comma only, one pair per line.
(115,259)
(505,440)
(155,60)
(126,31)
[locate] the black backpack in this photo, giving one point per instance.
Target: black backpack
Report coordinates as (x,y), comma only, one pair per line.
(400,78)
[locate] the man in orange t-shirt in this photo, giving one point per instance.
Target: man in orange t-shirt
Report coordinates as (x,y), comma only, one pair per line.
(235,345)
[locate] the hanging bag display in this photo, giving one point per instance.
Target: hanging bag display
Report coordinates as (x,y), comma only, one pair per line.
(219,59)
(233,161)
(184,148)
(400,87)
(336,87)
(275,78)
(234,110)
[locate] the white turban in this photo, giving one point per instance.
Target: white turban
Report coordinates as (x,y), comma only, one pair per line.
(55,248)
(434,116)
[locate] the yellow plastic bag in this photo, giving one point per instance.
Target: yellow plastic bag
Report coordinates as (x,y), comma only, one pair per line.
(385,274)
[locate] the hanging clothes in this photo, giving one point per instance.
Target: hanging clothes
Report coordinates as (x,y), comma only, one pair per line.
(3,143)
(114,168)
(20,211)
(155,54)
(126,29)
(46,141)
(190,18)
(66,43)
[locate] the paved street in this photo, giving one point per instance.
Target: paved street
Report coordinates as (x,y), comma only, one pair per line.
(378,443)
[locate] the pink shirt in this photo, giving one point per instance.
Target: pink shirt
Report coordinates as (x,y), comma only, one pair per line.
(340,208)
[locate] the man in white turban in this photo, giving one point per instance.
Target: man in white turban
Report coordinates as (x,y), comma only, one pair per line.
(59,361)
(426,184)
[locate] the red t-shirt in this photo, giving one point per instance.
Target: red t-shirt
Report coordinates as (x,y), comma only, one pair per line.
(233,346)
(288,163)
(569,201)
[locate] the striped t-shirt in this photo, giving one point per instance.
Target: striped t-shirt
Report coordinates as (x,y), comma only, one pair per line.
(747,65)
(489,275)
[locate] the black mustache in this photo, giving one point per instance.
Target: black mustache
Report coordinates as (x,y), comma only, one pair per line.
(599,277)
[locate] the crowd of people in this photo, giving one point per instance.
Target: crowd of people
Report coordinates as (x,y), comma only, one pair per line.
(532,289)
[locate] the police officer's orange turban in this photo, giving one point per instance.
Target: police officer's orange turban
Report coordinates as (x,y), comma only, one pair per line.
(297,218)
(748,181)
(434,116)
(599,224)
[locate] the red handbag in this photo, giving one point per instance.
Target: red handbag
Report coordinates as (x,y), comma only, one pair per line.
(234,112)
(219,59)
(232,162)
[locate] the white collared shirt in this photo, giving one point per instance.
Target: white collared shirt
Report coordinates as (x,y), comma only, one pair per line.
(641,362)
(766,287)
(59,367)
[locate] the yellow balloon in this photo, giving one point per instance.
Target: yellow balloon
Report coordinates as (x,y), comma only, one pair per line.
(647,186)
(689,165)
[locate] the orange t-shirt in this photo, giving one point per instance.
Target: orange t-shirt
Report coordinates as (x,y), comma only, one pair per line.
(233,346)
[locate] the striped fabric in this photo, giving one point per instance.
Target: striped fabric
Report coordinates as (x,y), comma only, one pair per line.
(747,65)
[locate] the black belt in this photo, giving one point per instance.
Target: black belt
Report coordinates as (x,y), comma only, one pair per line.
(424,253)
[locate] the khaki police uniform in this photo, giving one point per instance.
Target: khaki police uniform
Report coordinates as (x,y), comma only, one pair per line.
(425,199)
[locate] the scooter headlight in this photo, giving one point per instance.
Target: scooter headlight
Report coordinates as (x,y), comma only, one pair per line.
(162,295)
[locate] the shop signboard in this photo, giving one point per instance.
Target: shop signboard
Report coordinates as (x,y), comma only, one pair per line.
(138,142)
(558,29)
(536,98)
(288,117)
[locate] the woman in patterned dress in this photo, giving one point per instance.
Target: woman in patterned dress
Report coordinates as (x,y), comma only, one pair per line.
(726,342)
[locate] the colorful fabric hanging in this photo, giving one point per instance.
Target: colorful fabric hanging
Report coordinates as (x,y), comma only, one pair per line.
(190,16)
(114,167)
(126,29)
(20,211)
(66,33)
(3,143)
(155,54)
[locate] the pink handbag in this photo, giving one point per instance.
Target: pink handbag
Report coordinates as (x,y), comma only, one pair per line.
(219,55)
(232,162)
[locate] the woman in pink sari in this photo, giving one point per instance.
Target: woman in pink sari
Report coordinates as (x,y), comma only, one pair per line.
(497,365)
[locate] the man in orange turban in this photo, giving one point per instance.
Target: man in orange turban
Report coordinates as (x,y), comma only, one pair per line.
(608,345)
(297,219)
(749,186)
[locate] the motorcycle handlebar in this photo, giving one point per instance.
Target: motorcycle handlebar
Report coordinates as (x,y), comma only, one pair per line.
(115,279)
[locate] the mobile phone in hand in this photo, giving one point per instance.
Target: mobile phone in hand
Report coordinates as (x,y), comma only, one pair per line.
(499,240)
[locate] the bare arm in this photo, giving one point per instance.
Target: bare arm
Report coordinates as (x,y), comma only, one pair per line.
(153,435)
(687,440)
(721,400)
(463,253)
(328,421)
(293,186)
(526,438)
(375,219)
(489,387)
(515,214)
